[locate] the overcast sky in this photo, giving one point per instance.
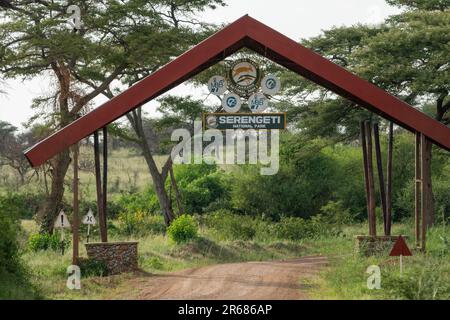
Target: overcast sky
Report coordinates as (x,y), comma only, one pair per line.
(295,18)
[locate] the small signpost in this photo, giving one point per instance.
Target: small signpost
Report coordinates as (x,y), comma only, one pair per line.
(400,249)
(89,220)
(62,223)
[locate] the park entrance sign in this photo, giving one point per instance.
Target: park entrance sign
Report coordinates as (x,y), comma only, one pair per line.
(249,33)
(252,34)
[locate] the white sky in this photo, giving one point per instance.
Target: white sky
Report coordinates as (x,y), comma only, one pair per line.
(295,18)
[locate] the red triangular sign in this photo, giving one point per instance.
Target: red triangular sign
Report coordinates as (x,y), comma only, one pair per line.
(400,248)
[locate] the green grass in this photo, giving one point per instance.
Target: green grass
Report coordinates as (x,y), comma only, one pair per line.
(427,276)
(128,171)
(157,254)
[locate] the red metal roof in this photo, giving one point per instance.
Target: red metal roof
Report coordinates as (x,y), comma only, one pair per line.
(250,33)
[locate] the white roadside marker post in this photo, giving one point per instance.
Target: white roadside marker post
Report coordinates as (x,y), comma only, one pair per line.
(62,223)
(89,219)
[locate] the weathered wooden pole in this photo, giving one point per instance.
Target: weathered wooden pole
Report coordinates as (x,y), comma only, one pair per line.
(366,171)
(105,181)
(418,188)
(424,197)
(372,221)
(75,214)
(98,180)
(368,175)
(376,134)
(389,180)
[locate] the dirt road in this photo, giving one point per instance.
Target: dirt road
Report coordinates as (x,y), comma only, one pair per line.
(240,281)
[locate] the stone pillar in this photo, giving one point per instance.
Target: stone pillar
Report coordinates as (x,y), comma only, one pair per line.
(118,257)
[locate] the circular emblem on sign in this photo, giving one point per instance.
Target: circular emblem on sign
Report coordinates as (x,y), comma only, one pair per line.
(258,102)
(270,85)
(244,77)
(217,85)
(231,103)
(211,122)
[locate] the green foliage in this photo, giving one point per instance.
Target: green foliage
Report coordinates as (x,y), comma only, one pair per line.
(228,226)
(21,205)
(92,268)
(428,281)
(145,202)
(45,241)
(183,229)
(201,186)
(9,246)
(14,278)
(140,223)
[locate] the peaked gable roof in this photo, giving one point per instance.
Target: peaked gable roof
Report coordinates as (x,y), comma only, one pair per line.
(250,33)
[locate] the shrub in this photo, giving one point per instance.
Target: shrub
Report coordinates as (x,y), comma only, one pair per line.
(45,241)
(92,268)
(9,246)
(201,187)
(183,229)
(139,223)
(21,205)
(290,228)
(228,226)
(145,202)
(429,280)
(14,280)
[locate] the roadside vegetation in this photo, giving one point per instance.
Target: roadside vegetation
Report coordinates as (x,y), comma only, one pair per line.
(316,203)
(225,224)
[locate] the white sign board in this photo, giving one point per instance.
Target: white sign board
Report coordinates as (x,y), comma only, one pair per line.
(89,219)
(217,85)
(62,221)
(271,85)
(231,103)
(258,102)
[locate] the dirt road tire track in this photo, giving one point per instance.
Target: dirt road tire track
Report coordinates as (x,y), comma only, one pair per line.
(273,280)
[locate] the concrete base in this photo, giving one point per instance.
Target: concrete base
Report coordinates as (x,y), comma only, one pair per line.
(370,246)
(119,257)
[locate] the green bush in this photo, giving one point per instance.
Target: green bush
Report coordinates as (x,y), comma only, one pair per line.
(202,186)
(229,226)
(22,205)
(429,280)
(183,229)
(92,268)
(291,228)
(45,241)
(138,224)
(145,202)
(14,279)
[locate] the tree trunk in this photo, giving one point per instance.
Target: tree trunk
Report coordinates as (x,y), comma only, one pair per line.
(53,203)
(158,180)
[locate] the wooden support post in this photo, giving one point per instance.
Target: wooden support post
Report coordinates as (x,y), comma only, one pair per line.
(105,181)
(424,197)
(364,136)
(418,188)
(98,179)
(372,221)
(376,134)
(75,215)
(366,171)
(389,180)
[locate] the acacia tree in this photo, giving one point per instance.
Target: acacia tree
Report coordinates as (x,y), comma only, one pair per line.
(407,55)
(124,41)
(177,31)
(11,150)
